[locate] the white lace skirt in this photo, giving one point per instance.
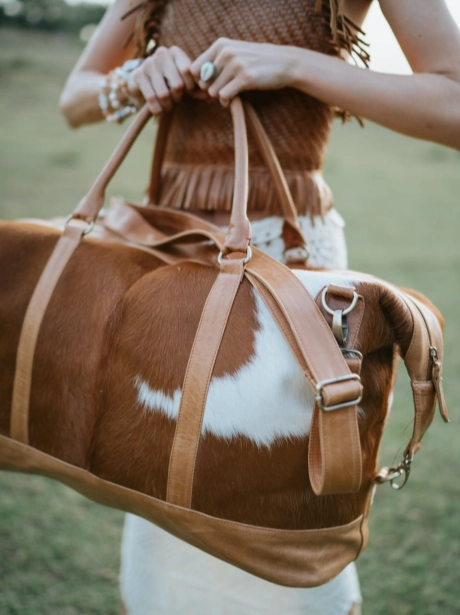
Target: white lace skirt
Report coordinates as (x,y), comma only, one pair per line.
(161,575)
(325,238)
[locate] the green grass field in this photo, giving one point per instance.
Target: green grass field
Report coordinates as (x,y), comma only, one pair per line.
(58,551)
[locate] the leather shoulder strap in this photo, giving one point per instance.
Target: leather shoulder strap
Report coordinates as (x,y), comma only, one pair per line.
(335,464)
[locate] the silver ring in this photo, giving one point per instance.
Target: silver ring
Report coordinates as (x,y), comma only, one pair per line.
(208,71)
(350,308)
(248,257)
(89,227)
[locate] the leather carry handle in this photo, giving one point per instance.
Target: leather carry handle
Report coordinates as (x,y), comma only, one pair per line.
(292,233)
(296,250)
(90,205)
(293,236)
(239,233)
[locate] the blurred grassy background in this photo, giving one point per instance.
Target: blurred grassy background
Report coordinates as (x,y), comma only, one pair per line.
(59,553)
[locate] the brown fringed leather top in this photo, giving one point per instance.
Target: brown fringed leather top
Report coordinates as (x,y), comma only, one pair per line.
(198,170)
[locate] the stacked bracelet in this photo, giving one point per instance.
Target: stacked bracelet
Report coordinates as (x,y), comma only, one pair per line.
(115,101)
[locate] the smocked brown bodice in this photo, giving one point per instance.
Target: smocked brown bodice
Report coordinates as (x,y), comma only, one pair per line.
(198,172)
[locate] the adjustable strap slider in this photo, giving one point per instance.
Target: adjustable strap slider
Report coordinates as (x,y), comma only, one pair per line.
(332,381)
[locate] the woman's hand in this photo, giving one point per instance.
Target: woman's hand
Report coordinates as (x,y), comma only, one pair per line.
(244,66)
(163,78)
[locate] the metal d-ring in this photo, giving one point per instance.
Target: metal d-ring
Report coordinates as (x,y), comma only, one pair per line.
(349,309)
(246,260)
(339,324)
(353,352)
(89,227)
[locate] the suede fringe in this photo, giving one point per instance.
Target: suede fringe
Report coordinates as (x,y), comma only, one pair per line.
(346,34)
(210,188)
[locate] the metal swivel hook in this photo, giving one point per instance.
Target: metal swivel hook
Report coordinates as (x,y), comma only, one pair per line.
(339,321)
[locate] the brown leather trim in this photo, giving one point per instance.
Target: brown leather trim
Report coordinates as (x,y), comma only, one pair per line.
(200,366)
(65,247)
(427,333)
(334,451)
(295,558)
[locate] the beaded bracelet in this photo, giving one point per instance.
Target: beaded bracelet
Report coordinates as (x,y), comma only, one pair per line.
(115,101)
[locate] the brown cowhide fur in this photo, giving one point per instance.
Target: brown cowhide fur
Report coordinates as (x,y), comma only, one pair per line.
(118,313)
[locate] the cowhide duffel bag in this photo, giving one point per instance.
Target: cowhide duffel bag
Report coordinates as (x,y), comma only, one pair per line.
(139,363)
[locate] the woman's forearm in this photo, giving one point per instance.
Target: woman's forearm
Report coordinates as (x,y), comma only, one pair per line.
(79,101)
(423,105)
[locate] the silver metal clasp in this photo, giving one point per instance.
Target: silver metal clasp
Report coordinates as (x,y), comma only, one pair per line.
(352,352)
(339,322)
(345,404)
(246,260)
(391,474)
(89,227)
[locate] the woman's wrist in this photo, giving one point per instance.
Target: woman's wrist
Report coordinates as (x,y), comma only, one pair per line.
(117,100)
(302,69)
(326,77)
(132,85)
